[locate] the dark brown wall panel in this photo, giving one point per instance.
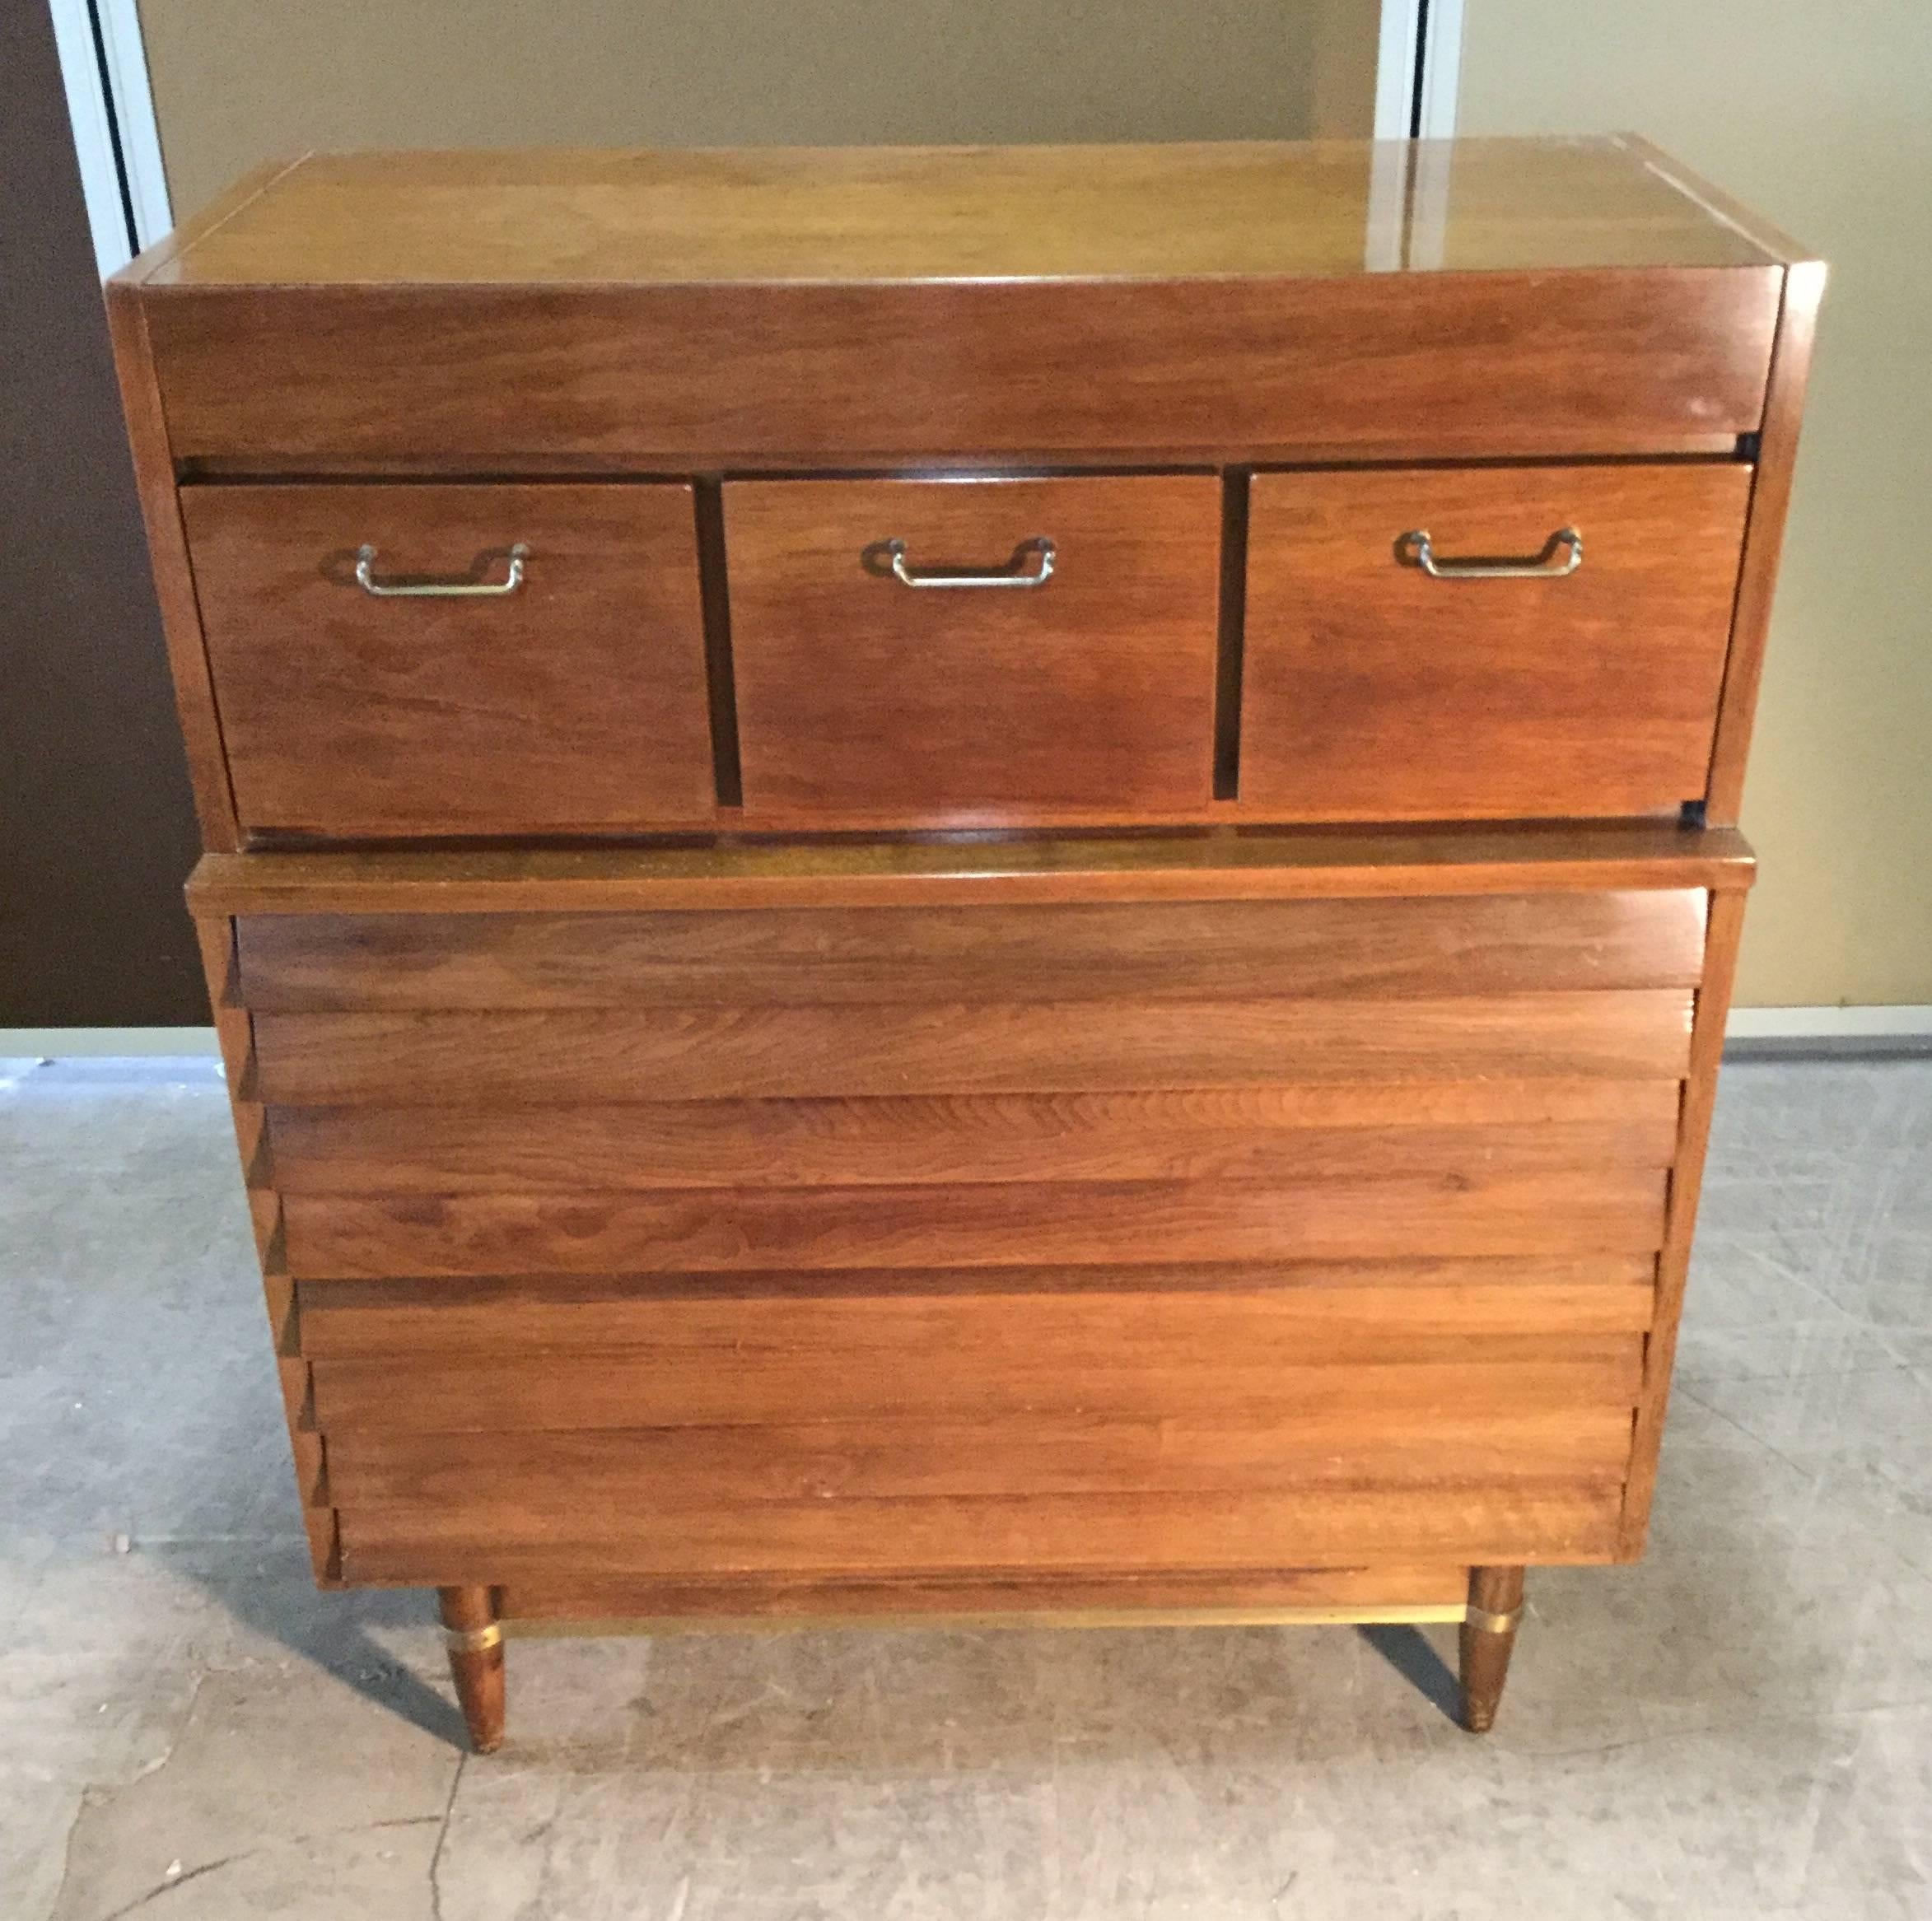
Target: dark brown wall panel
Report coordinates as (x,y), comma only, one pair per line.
(96,831)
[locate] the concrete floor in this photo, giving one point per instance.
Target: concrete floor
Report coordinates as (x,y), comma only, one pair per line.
(1740,1726)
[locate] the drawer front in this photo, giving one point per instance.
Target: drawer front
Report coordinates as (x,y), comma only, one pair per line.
(1261,1419)
(1252,1424)
(615,1261)
(1579,360)
(1373,690)
(1091,688)
(575,702)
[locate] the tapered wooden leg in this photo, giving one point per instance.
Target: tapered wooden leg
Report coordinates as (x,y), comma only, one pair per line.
(476,1660)
(1489,1634)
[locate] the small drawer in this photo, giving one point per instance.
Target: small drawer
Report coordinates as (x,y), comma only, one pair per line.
(387,663)
(980,646)
(1528,674)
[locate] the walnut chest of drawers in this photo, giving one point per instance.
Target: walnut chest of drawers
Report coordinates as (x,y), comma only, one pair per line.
(986,883)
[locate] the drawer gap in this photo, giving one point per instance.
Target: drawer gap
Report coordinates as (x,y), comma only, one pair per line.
(715,601)
(1234,608)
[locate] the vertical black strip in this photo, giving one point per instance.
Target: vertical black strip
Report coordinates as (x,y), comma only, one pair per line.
(1234,608)
(1421,64)
(111,113)
(1408,210)
(716,602)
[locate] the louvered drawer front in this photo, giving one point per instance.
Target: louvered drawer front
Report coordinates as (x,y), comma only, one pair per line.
(1243,1235)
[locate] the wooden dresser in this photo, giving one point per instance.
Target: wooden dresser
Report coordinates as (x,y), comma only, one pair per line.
(988,883)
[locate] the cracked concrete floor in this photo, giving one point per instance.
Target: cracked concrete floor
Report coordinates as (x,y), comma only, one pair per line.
(1740,1727)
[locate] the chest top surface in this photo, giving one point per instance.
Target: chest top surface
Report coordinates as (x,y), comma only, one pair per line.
(1239,211)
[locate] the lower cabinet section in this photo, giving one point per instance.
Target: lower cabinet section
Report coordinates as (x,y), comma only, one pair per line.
(1081,1257)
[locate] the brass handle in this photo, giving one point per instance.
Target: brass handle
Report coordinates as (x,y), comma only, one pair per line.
(1544,566)
(437,590)
(896,552)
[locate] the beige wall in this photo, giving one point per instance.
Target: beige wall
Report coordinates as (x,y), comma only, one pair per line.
(1821,118)
(236,81)
(1344,41)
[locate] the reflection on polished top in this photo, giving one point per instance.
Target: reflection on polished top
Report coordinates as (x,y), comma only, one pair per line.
(1246,210)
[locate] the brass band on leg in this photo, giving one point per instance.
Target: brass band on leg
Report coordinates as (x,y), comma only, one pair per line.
(474,1640)
(1493,1624)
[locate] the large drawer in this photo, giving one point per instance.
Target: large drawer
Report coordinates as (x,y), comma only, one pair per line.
(1577,362)
(975,645)
(1257,1421)
(903,1242)
(559,688)
(1564,657)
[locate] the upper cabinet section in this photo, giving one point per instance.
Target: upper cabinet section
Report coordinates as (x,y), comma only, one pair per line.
(777,491)
(777,308)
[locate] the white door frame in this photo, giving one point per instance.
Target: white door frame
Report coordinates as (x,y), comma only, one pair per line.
(111,106)
(1418,68)
(1418,63)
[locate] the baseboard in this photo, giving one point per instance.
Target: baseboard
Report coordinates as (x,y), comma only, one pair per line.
(65,1043)
(1828,1024)
(1901,1029)
(1770,1033)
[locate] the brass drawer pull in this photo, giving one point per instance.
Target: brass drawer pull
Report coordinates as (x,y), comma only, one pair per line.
(1541,567)
(437,590)
(895,551)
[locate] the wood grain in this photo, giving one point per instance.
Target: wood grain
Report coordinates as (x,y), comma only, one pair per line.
(511,1393)
(215,935)
(1312,863)
(1713,1001)
(1144,1532)
(558,1597)
(1185,1312)
(1764,537)
(606,1474)
(1579,362)
(478,1672)
(164,260)
(1034,1047)
(1612,1210)
(1224,209)
(1373,692)
(174,580)
(1487,1638)
(1095,688)
(1745,222)
(1457,1128)
(577,703)
(1236,950)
